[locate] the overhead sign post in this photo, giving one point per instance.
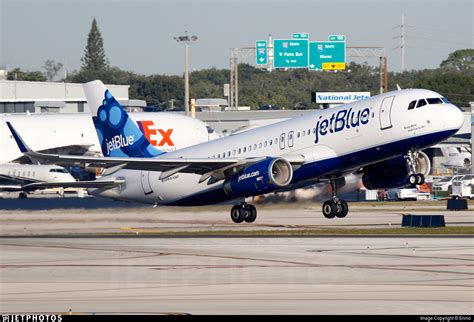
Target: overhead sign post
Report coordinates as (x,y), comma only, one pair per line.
(327,55)
(262,52)
(290,53)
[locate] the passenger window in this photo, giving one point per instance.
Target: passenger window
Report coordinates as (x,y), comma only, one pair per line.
(245,149)
(265,144)
(228,153)
(260,145)
(303,133)
(282,141)
(255,146)
(309,132)
(412,105)
(314,130)
(276,140)
(298,135)
(240,150)
(250,148)
(271,142)
(290,139)
(421,103)
(434,100)
(233,152)
(218,155)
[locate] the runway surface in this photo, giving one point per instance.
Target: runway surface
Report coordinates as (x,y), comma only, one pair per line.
(61,217)
(238,276)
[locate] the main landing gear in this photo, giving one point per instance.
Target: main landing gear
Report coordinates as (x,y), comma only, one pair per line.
(335,207)
(414,178)
(243,212)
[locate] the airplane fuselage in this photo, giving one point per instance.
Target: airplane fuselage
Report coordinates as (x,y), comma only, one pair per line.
(332,142)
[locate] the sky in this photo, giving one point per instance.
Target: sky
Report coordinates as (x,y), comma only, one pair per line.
(138,35)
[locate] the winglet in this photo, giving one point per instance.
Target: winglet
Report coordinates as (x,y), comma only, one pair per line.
(19,141)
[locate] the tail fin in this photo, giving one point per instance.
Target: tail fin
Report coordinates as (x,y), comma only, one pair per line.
(118,135)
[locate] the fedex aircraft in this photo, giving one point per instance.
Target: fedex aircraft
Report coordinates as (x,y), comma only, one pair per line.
(378,138)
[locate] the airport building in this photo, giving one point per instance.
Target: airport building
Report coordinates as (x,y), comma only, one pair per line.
(53,97)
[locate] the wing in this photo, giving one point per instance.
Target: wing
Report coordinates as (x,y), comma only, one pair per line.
(207,167)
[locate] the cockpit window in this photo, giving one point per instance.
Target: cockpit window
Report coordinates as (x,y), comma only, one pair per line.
(421,102)
(445,100)
(58,170)
(412,105)
(436,100)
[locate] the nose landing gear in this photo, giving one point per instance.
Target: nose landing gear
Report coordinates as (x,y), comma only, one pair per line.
(243,212)
(414,178)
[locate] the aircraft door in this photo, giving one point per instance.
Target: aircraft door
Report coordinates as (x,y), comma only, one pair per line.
(385,111)
(145,179)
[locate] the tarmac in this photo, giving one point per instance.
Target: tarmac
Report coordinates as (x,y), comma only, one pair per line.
(43,273)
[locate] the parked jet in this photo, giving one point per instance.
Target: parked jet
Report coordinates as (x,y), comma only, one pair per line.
(24,178)
(379,137)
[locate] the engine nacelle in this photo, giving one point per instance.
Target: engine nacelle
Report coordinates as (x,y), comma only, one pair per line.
(394,173)
(262,177)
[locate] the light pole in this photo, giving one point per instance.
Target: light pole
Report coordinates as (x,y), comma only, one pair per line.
(186,40)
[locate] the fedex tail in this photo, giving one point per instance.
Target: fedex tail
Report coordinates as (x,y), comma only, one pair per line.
(118,135)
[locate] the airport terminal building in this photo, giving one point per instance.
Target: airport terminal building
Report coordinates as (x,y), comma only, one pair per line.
(53,97)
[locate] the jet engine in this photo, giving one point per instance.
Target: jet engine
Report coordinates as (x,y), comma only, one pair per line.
(262,177)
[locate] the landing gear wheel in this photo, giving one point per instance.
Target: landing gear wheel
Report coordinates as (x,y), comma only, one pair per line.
(329,209)
(413,179)
(420,179)
(23,195)
(237,214)
(251,213)
(342,209)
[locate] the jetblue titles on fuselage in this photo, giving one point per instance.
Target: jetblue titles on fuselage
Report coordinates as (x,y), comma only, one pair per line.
(340,120)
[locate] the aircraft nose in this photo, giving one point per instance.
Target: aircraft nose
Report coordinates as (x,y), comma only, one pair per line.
(456,117)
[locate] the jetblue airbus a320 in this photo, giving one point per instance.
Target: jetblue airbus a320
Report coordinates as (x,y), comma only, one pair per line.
(379,138)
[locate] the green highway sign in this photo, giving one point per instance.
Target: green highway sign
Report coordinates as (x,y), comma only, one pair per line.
(300,35)
(261,52)
(336,38)
(290,53)
(326,52)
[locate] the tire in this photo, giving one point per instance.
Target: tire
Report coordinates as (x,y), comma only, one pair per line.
(343,210)
(22,195)
(251,213)
(237,214)
(413,179)
(420,179)
(329,209)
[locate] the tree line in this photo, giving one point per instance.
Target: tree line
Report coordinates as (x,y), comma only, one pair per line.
(287,89)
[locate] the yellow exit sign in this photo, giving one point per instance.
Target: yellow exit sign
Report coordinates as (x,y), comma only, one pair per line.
(334,66)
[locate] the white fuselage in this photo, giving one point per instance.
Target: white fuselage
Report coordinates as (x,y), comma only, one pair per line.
(19,174)
(333,142)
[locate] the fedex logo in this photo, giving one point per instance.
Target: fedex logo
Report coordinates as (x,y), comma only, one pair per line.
(150,131)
